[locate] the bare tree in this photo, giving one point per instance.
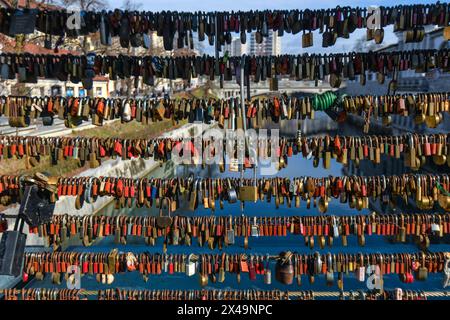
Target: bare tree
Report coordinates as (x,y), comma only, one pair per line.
(84,4)
(131,5)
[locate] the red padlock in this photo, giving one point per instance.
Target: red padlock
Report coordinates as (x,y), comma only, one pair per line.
(3,224)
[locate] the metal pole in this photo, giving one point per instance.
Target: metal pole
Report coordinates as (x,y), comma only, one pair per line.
(244,125)
(217,47)
(242,92)
(216,39)
(20,40)
(248,88)
(249,98)
(294,294)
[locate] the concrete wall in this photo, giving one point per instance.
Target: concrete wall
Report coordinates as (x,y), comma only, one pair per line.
(134,168)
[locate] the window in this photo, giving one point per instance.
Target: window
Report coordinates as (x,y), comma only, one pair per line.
(81,92)
(98,91)
(69,91)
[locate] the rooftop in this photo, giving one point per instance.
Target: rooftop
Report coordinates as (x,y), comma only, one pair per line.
(9,46)
(32,4)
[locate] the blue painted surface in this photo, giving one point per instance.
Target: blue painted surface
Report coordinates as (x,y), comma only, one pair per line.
(261,245)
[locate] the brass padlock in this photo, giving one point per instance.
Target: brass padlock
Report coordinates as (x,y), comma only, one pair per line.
(164,221)
(284,269)
(422,273)
(248,193)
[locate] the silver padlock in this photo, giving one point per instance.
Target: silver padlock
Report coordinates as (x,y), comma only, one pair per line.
(292,187)
(267,272)
(435,228)
(398,294)
(129,227)
(165,263)
(191,266)
(254,228)
(361,270)
(317,263)
(335,228)
(230,236)
(369,269)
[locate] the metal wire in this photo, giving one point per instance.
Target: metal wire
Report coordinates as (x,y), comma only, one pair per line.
(293,294)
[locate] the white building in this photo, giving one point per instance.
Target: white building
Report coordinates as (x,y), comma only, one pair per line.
(236,48)
(412,81)
(409,81)
(270,45)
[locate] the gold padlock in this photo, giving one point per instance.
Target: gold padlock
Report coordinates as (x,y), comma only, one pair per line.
(248,193)
(446,33)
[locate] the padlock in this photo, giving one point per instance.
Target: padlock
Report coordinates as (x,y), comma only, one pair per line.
(446,33)
(422,273)
(203,274)
(36,207)
(230,236)
(267,272)
(284,270)
(164,221)
(12,249)
(435,228)
(193,201)
(231,192)
(3,223)
(248,193)
(254,229)
(191,266)
(234,165)
(398,294)
(360,271)
(335,228)
(329,276)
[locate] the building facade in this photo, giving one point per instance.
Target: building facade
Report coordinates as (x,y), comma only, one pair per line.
(409,81)
(270,45)
(412,81)
(236,48)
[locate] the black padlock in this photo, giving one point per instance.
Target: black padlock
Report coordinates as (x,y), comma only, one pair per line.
(22,22)
(36,208)
(3,223)
(12,249)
